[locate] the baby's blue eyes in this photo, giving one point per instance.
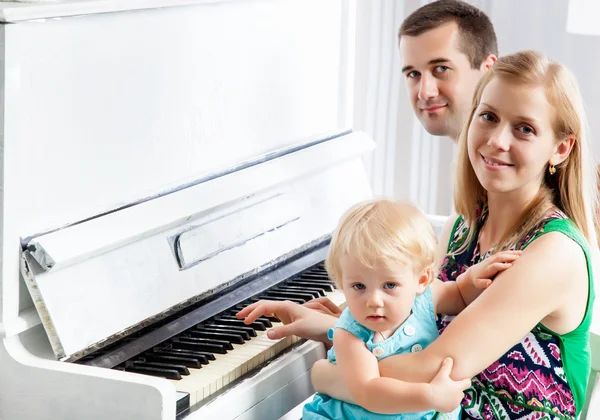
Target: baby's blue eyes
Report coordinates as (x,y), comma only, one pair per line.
(388,286)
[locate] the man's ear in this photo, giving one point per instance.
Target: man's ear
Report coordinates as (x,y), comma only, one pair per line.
(424,280)
(487,63)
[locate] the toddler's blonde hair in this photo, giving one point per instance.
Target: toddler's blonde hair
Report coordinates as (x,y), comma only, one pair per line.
(382,231)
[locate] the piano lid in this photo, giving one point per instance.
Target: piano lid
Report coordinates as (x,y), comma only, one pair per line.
(97,280)
(88,131)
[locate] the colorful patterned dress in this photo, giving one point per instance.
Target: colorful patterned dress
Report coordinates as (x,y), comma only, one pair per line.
(544,376)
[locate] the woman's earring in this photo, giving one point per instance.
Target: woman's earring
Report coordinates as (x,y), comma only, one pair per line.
(552,169)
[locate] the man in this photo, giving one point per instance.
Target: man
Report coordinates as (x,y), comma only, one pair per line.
(445,46)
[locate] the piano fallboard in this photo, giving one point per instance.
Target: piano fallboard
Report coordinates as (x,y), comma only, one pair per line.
(207,351)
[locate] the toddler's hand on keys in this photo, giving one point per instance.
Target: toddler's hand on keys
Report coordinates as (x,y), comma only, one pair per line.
(482,274)
(297,319)
(446,394)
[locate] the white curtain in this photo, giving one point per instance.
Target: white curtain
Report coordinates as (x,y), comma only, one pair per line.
(410,163)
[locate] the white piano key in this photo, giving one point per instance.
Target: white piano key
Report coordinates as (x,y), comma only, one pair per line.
(226,368)
(271,392)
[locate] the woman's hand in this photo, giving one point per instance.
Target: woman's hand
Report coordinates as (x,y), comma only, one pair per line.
(297,319)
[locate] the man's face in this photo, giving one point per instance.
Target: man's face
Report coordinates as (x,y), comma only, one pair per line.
(439,79)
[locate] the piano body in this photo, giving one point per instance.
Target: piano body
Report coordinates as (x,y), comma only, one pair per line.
(164,163)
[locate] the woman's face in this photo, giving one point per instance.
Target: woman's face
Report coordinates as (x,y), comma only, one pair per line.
(510,139)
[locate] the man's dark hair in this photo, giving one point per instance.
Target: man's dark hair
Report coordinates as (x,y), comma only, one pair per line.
(477,35)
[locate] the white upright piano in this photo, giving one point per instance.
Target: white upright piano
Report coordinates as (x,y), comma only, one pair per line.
(164,163)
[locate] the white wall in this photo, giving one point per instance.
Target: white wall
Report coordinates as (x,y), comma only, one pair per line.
(541,25)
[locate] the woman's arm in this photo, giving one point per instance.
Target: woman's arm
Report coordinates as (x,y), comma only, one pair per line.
(360,372)
(548,282)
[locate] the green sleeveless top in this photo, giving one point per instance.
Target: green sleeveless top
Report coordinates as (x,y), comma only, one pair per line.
(545,371)
(576,354)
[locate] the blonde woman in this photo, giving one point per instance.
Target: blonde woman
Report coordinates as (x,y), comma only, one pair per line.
(524,181)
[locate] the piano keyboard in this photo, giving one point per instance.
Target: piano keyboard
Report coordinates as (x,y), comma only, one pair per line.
(216,352)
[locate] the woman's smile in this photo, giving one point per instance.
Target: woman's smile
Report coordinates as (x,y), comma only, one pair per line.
(494,164)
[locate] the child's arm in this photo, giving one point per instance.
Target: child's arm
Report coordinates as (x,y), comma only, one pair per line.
(447,298)
(360,372)
(479,277)
(451,297)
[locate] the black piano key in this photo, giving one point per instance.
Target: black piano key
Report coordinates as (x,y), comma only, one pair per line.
(178,343)
(315,276)
(325,286)
(290,293)
(261,319)
(146,370)
(281,299)
(202,356)
(316,281)
(265,320)
(271,318)
(315,293)
(238,308)
(231,338)
(243,327)
(312,279)
(178,360)
(182,370)
(230,313)
(224,344)
(231,330)
(239,323)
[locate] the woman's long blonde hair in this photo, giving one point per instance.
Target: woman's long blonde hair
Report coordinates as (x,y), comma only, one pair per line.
(572,188)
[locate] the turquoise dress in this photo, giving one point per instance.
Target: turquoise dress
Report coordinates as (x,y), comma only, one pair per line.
(417,332)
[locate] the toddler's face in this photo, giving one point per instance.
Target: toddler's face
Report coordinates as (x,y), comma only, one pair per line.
(380,298)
